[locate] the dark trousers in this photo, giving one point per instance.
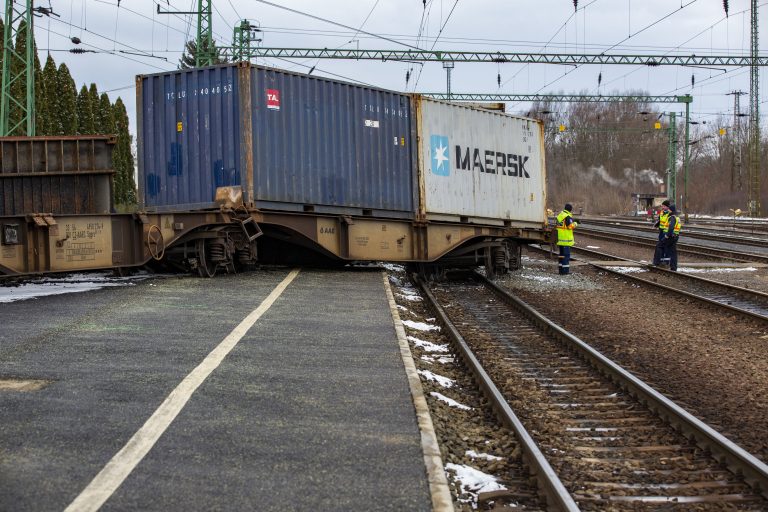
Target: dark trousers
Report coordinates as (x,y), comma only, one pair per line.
(671,248)
(660,254)
(564,259)
(666,251)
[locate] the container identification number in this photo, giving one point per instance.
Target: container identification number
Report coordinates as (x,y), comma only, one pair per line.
(203,91)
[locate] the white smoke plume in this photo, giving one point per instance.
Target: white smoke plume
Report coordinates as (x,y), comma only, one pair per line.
(601,173)
(650,175)
(631,176)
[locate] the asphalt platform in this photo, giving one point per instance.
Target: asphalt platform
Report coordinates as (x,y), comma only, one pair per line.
(309,410)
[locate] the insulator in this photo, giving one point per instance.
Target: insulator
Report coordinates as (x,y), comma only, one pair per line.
(498,79)
(407,77)
(575,4)
(725,6)
(75,40)
(693,80)
(599,78)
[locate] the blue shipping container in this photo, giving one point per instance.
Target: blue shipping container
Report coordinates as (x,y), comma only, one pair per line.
(292,142)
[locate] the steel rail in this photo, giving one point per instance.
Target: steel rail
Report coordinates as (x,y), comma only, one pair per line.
(697,250)
(738,460)
(727,286)
(690,232)
(553,489)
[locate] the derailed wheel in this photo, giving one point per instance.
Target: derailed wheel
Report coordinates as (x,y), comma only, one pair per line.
(155,242)
(205,267)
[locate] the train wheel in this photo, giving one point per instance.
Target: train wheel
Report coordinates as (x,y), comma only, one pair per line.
(490,263)
(205,267)
(155,242)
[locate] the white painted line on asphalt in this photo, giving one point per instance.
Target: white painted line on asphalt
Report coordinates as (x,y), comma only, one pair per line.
(117,470)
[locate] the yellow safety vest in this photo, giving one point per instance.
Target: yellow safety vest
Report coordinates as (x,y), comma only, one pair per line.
(678,225)
(664,220)
(565,233)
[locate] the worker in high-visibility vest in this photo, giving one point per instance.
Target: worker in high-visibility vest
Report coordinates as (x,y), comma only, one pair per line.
(565,226)
(671,236)
(659,255)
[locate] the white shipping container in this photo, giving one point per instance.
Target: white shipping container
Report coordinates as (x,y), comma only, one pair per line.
(484,165)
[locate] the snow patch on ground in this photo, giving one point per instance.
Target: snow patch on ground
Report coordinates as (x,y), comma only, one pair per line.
(486,456)
(426,345)
(437,359)
(420,326)
(473,481)
(537,277)
(409,295)
(71,283)
(689,270)
(433,377)
(450,401)
(392,267)
(629,270)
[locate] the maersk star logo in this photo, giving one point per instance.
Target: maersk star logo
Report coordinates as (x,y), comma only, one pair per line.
(441,162)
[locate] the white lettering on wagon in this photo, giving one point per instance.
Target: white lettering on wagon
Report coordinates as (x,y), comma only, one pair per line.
(199,91)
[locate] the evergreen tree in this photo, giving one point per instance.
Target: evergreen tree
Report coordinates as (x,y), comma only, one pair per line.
(93,100)
(66,102)
(39,106)
(104,119)
(125,185)
(187,60)
(85,123)
(48,122)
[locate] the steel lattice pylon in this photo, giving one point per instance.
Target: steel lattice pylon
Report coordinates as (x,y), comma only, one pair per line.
(243,36)
(205,53)
(18,68)
(502,58)
(754,123)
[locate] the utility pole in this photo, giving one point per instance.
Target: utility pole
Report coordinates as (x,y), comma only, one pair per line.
(686,158)
(672,158)
(754,122)
(243,36)
(205,54)
(736,158)
(18,68)
(448,65)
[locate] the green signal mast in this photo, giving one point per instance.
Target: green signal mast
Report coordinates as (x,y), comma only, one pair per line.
(18,68)
(754,121)
(205,54)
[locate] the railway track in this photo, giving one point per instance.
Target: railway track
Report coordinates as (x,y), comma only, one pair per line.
(682,248)
(690,232)
(594,430)
(748,302)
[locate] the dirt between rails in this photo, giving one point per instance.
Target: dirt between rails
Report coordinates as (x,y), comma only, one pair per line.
(754,277)
(711,362)
(468,432)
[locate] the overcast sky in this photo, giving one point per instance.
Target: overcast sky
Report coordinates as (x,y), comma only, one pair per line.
(126,38)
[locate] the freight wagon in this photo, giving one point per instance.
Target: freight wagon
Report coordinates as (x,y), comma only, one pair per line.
(242,164)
